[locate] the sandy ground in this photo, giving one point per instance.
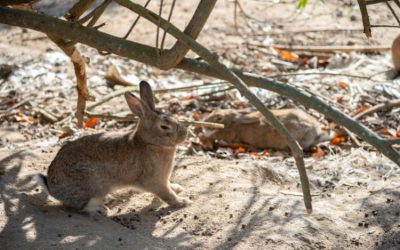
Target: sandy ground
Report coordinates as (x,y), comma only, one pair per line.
(240,203)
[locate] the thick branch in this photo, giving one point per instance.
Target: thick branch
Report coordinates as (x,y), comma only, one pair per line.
(147,55)
(223,71)
(305,99)
(78,33)
(77,60)
(78,9)
(172,57)
(14,2)
(220,71)
(365,17)
(378,107)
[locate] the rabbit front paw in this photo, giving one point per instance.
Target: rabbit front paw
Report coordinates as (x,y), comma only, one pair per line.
(176,187)
(180,202)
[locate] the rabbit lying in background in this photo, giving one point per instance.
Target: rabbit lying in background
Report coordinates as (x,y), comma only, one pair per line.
(396,54)
(86,170)
(252,129)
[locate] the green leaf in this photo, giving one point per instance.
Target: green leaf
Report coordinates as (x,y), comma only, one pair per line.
(301,4)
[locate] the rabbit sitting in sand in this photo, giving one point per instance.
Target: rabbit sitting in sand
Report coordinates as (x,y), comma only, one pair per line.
(86,170)
(252,129)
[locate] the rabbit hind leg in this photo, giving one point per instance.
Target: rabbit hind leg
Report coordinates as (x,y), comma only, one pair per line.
(80,200)
(95,205)
(176,187)
(70,197)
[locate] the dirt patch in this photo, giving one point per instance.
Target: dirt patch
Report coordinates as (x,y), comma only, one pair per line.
(236,204)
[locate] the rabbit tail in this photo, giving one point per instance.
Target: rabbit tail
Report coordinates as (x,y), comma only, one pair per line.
(41,179)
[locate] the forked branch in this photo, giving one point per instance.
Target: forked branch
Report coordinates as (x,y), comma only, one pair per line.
(146,54)
(226,73)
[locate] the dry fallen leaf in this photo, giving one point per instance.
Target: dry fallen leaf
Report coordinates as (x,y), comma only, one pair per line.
(288,56)
(259,154)
(338,140)
(364,107)
(23,118)
(197,116)
(63,135)
(191,97)
(388,131)
(343,85)
(318,153)
(340,99)
(240,150)
(339,137)
(91,122)
(253,154)
(240,104)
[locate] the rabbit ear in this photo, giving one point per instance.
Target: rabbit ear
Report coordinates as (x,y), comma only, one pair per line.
(246,118)
(136,105)
(146,94)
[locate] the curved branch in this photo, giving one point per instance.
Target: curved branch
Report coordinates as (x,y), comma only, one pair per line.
(305,99)
(77,32)
(226,73)
(15,2)
(147,55)
(170,58)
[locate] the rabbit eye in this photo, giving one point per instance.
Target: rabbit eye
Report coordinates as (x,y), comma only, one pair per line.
(164,127)
(218,119)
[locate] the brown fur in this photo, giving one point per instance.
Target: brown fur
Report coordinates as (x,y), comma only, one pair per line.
(86,170)
(396,53)
(253,129)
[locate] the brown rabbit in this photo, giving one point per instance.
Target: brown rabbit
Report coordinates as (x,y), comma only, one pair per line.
(86,170)
(396,53)
(252,129)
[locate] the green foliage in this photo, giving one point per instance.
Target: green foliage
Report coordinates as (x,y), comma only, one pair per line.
(302,3)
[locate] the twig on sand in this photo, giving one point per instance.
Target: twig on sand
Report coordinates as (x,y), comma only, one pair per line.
(318,73)
(327,49)
(378,107)
(129,117)
(116,117)
(23,102)
(113,78)
(296,193)
(204,124)
(353,137)
(306,30)
(47,115)
(157,91)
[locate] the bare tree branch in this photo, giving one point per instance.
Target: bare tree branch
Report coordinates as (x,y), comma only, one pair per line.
(146,54)
(14,2)
(170,58)
(78,9)
(225,72)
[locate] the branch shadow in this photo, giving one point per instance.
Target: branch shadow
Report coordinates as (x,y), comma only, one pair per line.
(31,221)
(386,215)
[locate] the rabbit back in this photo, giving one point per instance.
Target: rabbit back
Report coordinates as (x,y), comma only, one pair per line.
(396,53)
(94,165)
(302,126)
(253,129)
